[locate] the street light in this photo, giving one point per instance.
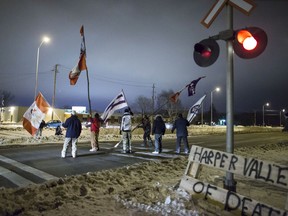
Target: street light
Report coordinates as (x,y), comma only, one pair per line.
(263,109)
(44,40)
(217,90)
(283,110)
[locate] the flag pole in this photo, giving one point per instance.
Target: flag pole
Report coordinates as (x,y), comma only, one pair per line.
(87,73)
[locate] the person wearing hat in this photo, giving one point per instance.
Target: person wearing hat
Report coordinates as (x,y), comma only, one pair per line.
(73,130)
(125,129)
(181,125)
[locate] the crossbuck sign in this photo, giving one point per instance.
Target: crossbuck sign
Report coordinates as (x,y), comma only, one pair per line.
(245,6)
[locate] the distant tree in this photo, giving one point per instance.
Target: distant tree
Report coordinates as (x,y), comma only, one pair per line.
(143,104)
(165,106)
(6,98)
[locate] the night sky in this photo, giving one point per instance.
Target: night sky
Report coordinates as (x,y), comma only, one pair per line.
(132,44)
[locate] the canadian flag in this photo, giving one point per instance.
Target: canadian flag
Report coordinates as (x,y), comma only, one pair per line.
(35,114)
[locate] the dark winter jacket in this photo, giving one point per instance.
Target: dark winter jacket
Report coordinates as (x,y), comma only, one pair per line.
(158,126)
(180,125)
(73,126)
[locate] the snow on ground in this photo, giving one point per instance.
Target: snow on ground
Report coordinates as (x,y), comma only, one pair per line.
(148,188)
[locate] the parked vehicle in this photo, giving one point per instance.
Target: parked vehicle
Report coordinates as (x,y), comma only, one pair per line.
(53,123)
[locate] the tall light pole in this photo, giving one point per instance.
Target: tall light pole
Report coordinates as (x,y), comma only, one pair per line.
(283,110)
(44,40)
(216,89)
(263,110)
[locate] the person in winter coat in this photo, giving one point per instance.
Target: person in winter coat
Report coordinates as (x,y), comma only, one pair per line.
(158,130)
(58,131)
(125,130)
(73,130)
(146,125)
(181,125)
(40,129)
(95,129)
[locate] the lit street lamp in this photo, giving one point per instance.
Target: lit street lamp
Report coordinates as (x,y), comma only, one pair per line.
(217,90)
(263,109)
(44,40)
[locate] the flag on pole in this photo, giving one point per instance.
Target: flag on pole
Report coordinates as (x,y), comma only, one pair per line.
(192,86)
(191,90)
(35,114)
(193,111)
(117,103)
(174,97)
(81,65)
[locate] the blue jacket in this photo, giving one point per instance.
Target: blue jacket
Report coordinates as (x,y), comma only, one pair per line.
(158,126)
(180,125)
(73,126)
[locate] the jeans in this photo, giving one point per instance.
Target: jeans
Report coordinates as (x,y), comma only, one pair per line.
(158,143)
(185,142)
(66,144)
(146,136)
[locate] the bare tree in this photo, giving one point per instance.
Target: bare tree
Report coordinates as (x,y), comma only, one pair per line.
(165,106)
(143,104)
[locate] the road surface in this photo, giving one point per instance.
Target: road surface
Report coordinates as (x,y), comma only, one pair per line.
(24,165)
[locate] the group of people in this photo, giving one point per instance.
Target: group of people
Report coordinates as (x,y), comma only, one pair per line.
(74,127)
(73,130)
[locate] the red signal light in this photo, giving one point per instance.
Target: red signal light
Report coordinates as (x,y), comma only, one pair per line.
(206,52)
(245,38)
(250,42)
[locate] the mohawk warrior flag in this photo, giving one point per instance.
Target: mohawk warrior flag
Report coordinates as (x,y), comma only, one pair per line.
(117,103)
(193,111)
(81,65)
(35,114)
(192,86)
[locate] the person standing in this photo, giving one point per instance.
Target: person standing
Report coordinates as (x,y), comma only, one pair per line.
(95,129)
(73,130)
(40,129)
(181,125)
(158,129)
(125,130)
(146,125)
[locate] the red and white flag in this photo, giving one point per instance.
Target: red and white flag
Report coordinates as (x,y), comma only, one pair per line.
(35,114)
(81,65)
(117,103)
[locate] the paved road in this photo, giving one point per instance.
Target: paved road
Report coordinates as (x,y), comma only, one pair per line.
(24,165)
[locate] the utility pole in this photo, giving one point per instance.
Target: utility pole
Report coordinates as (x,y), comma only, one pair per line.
(54,91)
(153,99)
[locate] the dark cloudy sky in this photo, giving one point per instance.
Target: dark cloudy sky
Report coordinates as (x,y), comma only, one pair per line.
(132,44)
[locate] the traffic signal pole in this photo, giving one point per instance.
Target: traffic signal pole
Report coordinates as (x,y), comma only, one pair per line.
(229,182)
(247,43)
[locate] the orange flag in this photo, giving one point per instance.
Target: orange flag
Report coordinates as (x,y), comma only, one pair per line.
(174,97)
(81,65)
(35,114)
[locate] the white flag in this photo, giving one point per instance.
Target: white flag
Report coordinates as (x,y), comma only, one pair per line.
(195,109)
(117,103)
(35,114)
